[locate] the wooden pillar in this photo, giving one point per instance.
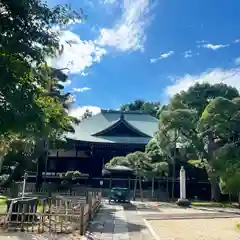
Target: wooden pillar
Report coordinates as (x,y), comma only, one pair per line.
(40,169)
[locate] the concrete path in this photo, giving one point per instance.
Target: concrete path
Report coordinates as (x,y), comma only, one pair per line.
(118,222)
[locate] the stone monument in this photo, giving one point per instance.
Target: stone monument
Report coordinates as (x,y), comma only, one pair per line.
(183,201)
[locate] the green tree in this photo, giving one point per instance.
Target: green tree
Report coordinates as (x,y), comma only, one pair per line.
(185,111)
(198,96)
(219,127)
(32,103)
(140,105)
(139,162)
(159,164)
(171,136)
(68,178)
(227,167)
(28,36)
(117,161)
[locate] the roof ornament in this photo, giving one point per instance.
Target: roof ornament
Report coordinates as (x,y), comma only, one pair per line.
(121,115)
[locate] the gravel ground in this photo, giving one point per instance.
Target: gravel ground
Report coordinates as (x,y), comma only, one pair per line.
(197,229)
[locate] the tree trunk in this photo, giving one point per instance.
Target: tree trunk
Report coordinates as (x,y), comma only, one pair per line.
(215,191)
(239,199)
(152,187)
(140,187)
(40,168)
(1,162)
(174,165)
(135,188)
(167,190)
(173,177)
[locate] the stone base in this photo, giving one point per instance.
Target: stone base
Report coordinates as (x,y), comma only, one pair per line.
(183,202)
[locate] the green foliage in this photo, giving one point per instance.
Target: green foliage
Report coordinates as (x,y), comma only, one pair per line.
(160,169)
(153,150)
(159,165)
(28,35)
(121,161)
(70,175)
(198,96)
(139,162)
(227,165)
(202,120)
(221,116)
(152,108)
(197,163)
(33,105)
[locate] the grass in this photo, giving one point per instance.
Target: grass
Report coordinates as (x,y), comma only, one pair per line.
(214,204)
(3,204)
(238,226)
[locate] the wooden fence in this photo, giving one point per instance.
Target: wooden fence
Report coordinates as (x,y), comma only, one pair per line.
(58,214)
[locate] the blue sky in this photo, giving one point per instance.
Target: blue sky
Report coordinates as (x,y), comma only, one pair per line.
(148,49)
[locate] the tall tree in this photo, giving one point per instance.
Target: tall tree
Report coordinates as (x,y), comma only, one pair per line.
(185,112)
(227,166)
(31,103)
(28,35)
(159,163)
(219,127)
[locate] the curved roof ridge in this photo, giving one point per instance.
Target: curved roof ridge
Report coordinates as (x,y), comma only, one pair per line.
(116,123)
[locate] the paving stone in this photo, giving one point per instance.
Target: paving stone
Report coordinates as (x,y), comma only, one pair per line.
(119,224)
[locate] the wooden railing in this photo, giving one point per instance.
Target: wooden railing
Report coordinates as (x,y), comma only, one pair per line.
(56,214)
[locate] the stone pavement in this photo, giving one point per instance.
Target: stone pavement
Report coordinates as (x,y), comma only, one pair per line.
(118,222)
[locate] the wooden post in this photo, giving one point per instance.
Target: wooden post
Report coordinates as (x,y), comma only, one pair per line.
(90,206)
(82,219)
(87,195)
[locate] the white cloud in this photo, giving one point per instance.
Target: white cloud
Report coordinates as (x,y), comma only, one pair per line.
(153,60)
(201,41)
(79,111)
(162,56)
(214,47)
(84,89)
(237,61)
(84,74)
(166,55)
(236,41)
(217,75)
(188,54)
(108,1)
(78,54)
(128,34)
(67,83)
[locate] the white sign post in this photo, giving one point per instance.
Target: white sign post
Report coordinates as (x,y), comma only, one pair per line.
(183,201)
(182,183)
(24,184)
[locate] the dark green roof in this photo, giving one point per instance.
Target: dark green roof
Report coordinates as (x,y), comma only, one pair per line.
(95,128)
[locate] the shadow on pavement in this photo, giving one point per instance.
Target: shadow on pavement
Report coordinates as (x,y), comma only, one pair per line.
(107,222)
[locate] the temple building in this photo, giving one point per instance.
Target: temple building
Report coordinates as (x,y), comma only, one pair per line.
(100,138)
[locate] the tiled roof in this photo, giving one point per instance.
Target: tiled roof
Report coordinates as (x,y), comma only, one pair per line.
(142,123)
